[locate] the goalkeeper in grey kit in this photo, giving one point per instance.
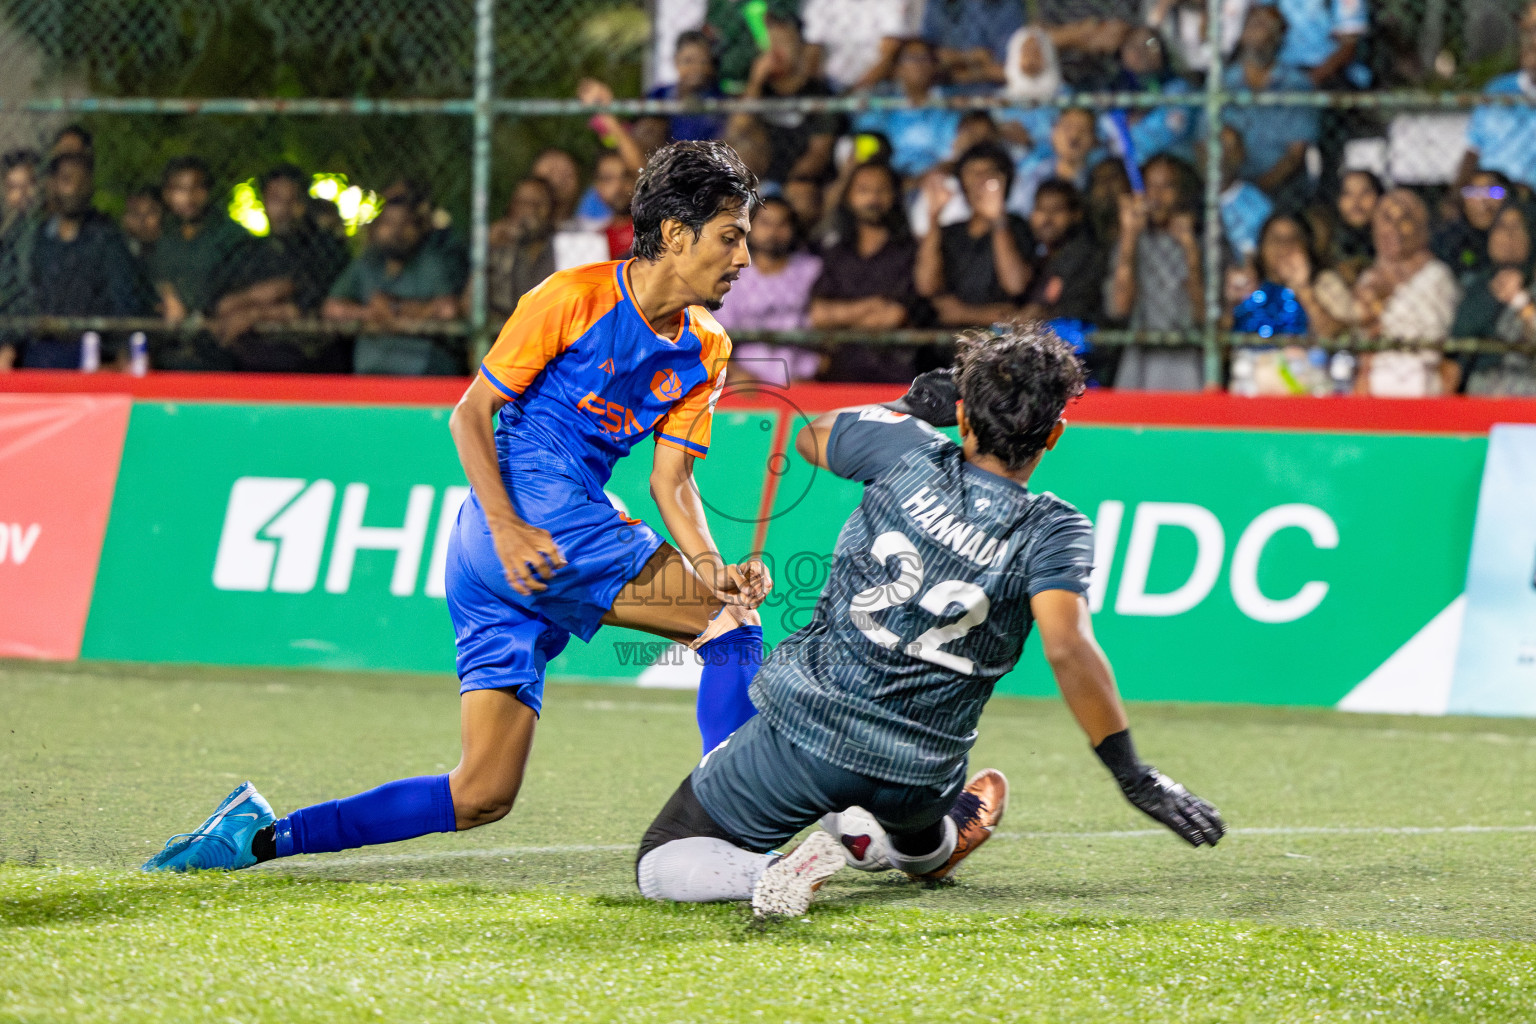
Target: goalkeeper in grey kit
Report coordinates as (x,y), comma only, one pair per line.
(937,579)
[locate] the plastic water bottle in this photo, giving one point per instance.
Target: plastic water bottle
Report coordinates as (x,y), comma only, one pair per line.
(1243,382)
(1341,370)
(138,354)
(90,352)
(1319,373)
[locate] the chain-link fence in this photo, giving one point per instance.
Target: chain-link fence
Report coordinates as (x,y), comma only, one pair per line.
(450,103)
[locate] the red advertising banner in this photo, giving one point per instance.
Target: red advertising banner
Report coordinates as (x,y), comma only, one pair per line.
(58,466)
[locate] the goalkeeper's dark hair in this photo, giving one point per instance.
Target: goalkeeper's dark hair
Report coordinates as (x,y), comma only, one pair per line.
(690,182)
(1015,380)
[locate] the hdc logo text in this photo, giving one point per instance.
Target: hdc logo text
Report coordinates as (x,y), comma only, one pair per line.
(275,532)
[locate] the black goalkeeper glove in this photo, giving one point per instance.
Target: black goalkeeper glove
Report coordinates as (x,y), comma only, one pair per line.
(931,398)
(1159,797)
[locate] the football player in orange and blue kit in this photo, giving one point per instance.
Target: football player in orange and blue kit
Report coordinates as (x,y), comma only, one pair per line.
(593,361)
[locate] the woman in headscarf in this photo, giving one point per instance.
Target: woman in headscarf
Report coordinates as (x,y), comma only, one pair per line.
(1498,305)
(1034,76)
(1406,295)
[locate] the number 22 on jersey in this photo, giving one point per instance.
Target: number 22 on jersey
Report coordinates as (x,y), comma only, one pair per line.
(973,602)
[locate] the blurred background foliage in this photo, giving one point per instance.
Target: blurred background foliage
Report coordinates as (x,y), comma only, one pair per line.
(347,49)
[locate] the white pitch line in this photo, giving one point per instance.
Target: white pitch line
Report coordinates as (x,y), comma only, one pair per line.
(1300,830)
(381,859)
(633,705)
(509,852)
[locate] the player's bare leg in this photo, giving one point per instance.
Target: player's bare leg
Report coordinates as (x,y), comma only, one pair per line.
(497,735)
(668,599)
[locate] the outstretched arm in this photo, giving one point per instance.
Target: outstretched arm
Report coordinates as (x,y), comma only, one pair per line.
(811,441)
(529,555)
(590,90)
(1083,675)
(677,498)
(931,398)
(1088,685)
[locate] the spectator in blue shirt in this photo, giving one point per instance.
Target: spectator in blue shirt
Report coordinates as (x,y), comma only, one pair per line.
(923,137)
(695,65)
(1503,138)
(1322,38)
(1068,157)
(1144,68)
(1276,137)
(1244,206)
(972,36)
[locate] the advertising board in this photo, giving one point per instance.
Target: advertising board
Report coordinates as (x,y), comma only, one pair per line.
(1259,566)
(58,463)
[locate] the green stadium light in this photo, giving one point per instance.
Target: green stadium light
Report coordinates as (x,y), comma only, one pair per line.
(356,204)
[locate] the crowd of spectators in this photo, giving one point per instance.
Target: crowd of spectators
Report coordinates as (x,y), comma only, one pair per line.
(931,217)
(934,217)
(176,256)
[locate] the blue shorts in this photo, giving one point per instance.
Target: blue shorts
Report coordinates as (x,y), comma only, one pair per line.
(504,638)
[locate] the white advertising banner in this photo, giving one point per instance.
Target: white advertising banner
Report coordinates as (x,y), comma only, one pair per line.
(1496,661)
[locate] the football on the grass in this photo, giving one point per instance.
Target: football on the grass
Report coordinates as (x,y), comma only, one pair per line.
(862,838)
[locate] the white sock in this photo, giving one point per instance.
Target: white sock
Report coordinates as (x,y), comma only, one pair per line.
(701,870)
(928,862)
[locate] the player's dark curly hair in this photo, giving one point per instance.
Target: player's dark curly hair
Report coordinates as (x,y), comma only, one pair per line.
(691,182)
(1015,380)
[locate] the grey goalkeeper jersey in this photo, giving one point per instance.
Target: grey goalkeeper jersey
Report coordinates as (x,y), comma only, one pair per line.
(926,606)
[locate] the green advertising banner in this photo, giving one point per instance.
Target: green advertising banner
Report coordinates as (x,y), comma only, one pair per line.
(315,536)
(1266,567)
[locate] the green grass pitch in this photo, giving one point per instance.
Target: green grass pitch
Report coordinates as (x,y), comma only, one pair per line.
(1379,869)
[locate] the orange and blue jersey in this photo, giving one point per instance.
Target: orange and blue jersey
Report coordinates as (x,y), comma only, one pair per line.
(587,378)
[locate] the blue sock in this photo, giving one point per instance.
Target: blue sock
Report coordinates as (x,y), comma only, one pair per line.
(403,809)
(731,661)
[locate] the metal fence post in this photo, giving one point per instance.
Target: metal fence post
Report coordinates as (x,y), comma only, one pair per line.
(480,181)
(1215,97)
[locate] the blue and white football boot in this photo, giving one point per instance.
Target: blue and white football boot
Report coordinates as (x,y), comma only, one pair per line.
(223,842)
